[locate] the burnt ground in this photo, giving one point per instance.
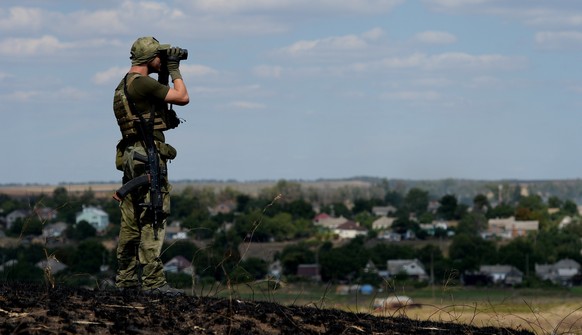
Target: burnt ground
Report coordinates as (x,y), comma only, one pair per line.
(28,309)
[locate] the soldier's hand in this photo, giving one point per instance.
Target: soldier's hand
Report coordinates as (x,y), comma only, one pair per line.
(174,55)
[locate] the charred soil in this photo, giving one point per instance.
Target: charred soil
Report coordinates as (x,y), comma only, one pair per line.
(32,309)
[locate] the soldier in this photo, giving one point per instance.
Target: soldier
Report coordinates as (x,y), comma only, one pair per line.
(141,107)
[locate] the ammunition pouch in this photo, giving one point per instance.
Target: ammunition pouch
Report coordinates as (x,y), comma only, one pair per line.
(166,151)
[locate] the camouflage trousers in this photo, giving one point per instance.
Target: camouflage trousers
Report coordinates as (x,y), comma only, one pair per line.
(138,251)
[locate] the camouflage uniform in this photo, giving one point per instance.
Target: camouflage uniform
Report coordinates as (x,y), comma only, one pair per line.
(138,251)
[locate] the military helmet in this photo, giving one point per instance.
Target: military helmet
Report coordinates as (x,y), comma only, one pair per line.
(145,49)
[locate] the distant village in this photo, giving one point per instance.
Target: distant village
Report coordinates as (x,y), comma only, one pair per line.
(381,227)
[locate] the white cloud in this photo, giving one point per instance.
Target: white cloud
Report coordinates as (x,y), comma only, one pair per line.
(468,61)
(443,61)
(348,42)
(550,17)
(102,22)
(485,81)
(109,76)
(21,96)
(559,39)
(4,75)
(458,3)
(412,95)
(21,18)
(268,71)
(556,13)
(197,70)
(294,6)
(435,37)
(114,74)
(30,46)
(373,34)
(432,82)
(246,105)
(71,93)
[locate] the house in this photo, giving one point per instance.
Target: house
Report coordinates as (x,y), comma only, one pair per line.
(370,267)
(320,217)
(45,213)
(383,210)
(508,228)
(309,271)
(566,220)
(329,222)
(96,217)
(383,222)
(349,230)
(19,214)
(222,208)
(178,264)
(561,272)
(54,229)
(411,267)
(389,236)
(502,274)
(174,231)
(431,228)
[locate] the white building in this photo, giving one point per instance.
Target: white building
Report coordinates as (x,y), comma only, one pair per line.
(412,267)
(96,217)
(349,230)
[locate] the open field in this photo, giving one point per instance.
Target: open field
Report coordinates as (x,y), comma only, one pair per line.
(107,189)
(552,311)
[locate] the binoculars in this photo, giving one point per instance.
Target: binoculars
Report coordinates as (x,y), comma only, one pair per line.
(182,55)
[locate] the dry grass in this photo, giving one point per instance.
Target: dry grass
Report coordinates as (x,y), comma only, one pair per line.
(539,318)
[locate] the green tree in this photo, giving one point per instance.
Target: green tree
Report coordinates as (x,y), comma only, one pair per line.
(393,198)
(22,272)
(554,202)
(382,252)
(27,226)
(300,209)
(293,255)
(448,207)
(472,224)
(344,263)
(81,231)
(502,210)
(569,208)
(481,204)
(416,201)
(553,244)
(250,269)
(434,262)
(183,248)
(88,258)
(519,252)
(468,252)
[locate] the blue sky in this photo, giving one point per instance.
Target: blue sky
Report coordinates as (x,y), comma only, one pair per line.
(302,89)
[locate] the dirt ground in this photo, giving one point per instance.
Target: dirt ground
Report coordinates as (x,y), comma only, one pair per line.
(28,309)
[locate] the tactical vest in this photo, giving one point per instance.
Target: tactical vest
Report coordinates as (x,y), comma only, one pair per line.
(128,116)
